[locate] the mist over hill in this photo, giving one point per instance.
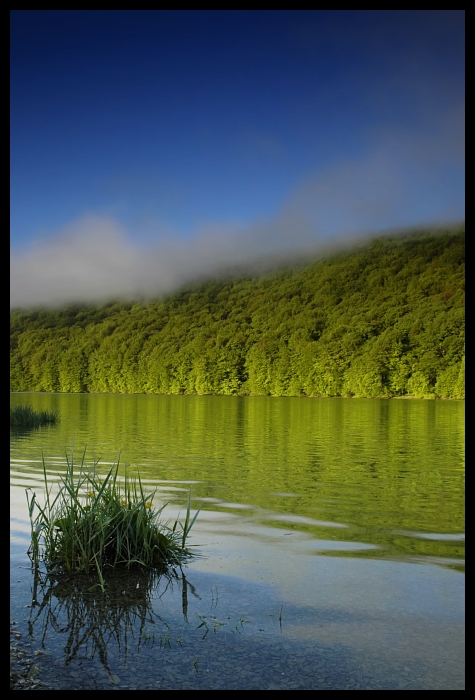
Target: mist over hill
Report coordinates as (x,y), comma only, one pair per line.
(381,318)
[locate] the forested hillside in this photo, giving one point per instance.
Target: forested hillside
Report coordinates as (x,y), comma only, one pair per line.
(386,319)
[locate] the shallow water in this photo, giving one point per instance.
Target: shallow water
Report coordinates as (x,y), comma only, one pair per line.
(331,544)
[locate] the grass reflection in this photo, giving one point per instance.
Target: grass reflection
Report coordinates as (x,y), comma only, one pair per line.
(94,621)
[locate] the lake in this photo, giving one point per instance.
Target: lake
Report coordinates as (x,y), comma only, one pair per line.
(330,544)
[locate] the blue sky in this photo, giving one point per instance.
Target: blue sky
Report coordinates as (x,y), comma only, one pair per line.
(149,148)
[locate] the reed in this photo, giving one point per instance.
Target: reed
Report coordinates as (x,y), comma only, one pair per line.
(100,523)
(26,417)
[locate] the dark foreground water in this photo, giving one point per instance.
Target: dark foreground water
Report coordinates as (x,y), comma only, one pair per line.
(331,545)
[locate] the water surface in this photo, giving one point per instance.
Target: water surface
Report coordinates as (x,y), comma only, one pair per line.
(331,542)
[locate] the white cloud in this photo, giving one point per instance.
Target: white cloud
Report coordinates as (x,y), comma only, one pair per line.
(403,180)
(93,260)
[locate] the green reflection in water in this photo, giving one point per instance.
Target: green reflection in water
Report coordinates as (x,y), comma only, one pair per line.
(391,471)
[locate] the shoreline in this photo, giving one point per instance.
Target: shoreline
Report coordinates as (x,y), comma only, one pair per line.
(25,672)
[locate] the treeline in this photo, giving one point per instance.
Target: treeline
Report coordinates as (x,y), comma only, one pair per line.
(386,319)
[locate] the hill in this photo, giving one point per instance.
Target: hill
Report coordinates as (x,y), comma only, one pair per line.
(385,319)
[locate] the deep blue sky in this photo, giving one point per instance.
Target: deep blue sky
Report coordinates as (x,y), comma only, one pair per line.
(151,146)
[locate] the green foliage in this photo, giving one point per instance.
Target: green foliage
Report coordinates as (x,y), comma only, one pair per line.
(26,417)
(98,523)
(384,319)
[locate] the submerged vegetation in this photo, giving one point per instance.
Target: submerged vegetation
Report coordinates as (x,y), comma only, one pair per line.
(98,523)
(27,417)
(383,320)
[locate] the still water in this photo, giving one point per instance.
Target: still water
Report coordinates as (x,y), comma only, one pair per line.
(330,541)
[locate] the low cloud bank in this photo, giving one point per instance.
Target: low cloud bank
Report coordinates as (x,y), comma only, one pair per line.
(403,180)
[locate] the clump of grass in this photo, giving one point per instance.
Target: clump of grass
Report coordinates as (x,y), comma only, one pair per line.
(26,417)
(100,523)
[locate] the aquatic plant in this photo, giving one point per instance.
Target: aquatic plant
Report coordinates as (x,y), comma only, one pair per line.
(98,523)
(27,417)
